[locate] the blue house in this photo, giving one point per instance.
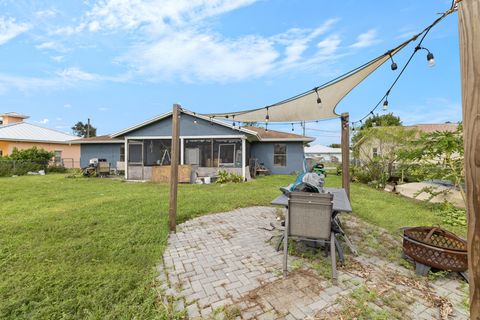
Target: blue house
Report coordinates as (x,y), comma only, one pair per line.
(209,145)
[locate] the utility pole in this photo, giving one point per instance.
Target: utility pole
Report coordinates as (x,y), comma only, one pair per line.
(469,39)
(172,211)
(88,128)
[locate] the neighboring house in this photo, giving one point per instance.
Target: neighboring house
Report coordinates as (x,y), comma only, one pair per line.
(369,148)
(16,133)
(324,153)
(207,144)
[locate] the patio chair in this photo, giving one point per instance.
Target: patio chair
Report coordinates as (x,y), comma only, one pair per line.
(309,218)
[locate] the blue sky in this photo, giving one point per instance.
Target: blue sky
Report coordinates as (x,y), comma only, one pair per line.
(120,62)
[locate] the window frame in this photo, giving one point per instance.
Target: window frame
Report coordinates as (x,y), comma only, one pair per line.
(280,154)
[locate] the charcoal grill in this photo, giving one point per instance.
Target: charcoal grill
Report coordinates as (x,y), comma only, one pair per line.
(436,248)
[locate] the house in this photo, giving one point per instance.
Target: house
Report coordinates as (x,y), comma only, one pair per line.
(369,148)
(209,145)
(324,154)
(16,133)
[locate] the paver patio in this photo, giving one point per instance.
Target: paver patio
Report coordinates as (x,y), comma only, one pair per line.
(225,266)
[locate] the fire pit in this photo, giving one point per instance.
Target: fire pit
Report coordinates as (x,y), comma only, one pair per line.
(435,247)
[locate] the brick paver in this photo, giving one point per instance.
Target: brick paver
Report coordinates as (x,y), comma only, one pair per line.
(225,262)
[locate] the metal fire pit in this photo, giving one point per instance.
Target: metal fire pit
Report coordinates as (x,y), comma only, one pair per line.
(436,248)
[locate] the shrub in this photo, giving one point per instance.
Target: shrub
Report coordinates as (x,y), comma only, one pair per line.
(224,176)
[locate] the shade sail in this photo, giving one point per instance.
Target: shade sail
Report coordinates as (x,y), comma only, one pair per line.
(304,107)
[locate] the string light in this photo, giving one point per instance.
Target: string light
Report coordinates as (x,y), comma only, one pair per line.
(318,97)
(385,105)
(393,66)
(430,57)
(233,117)
(195,119)
(267,117)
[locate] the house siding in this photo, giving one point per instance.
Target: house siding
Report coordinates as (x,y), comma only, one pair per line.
(163,127)
(109,151)
(263,151)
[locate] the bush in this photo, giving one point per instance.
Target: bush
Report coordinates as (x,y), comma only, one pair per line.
(224,176)
(20,162)
(59,168)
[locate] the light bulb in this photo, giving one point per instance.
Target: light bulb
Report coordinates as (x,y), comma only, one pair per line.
(430,59)
(385,105)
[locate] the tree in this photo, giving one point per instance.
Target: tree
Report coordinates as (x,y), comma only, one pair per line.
(335,145)
(439,155)
(32,154)
(387,142)
(81,129)
(386,120)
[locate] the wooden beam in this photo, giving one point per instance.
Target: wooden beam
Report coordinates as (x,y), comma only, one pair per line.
(345,153)
(172,211)
(469,36)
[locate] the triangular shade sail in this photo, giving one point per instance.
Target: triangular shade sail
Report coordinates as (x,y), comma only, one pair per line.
(304,107)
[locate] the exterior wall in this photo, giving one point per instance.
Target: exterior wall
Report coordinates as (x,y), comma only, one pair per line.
(70,153)
(187,128)
(263,151)
(109,151)
(10,120)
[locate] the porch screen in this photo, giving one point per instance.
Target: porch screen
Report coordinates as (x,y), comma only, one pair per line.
(135,153)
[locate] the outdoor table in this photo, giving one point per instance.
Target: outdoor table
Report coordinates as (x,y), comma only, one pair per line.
(340,204)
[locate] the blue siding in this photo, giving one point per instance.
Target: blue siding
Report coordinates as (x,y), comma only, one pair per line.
(263,151)
(109,151)
(187,128)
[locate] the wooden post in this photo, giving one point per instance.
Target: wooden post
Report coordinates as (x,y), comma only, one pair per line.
(469,36)
(172,211)
(345,153)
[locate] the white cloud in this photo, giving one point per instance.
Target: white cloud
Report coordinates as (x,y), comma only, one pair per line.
(329,45)
(75,73)
(434,110)
(67,105)
(58,119)
(47,13)
(43,121)
(366,39)
(57,58)
(9,29)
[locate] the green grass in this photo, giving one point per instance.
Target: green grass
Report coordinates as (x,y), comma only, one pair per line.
(392,211)
(87,248)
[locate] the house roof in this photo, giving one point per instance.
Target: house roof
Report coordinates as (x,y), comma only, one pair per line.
(429,128)
(14,115)
(98,139)
(318,148)
(260,133)
(273,135)
(22,131)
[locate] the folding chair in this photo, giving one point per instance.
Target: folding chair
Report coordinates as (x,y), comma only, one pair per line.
(309,217)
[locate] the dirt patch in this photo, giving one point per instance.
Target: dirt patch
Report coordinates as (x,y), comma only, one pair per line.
(280,295)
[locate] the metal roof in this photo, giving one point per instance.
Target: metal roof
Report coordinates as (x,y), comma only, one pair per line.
(14,115)
(318,148)
(22,131)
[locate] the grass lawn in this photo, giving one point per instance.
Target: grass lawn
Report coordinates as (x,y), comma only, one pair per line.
(87,248)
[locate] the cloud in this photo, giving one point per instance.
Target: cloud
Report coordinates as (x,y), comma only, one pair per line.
(43,121)
(103,109)
(366,39)
(10,29)
(47,13)
(67,105)
(434,110)
(75,73)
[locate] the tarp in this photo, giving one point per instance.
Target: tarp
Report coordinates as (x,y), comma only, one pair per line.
(305,106)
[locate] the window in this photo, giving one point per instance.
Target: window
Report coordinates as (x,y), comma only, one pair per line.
(58,156)
(375,152)
(1,153)
(226,155)
(280,155)
(122,153)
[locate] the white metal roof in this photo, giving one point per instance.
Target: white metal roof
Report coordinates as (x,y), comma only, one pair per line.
(318,148)
(22,131)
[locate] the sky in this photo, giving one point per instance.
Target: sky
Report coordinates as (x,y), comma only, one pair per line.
(121,62)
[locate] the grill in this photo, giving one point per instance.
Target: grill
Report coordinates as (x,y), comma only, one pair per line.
(436,248)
